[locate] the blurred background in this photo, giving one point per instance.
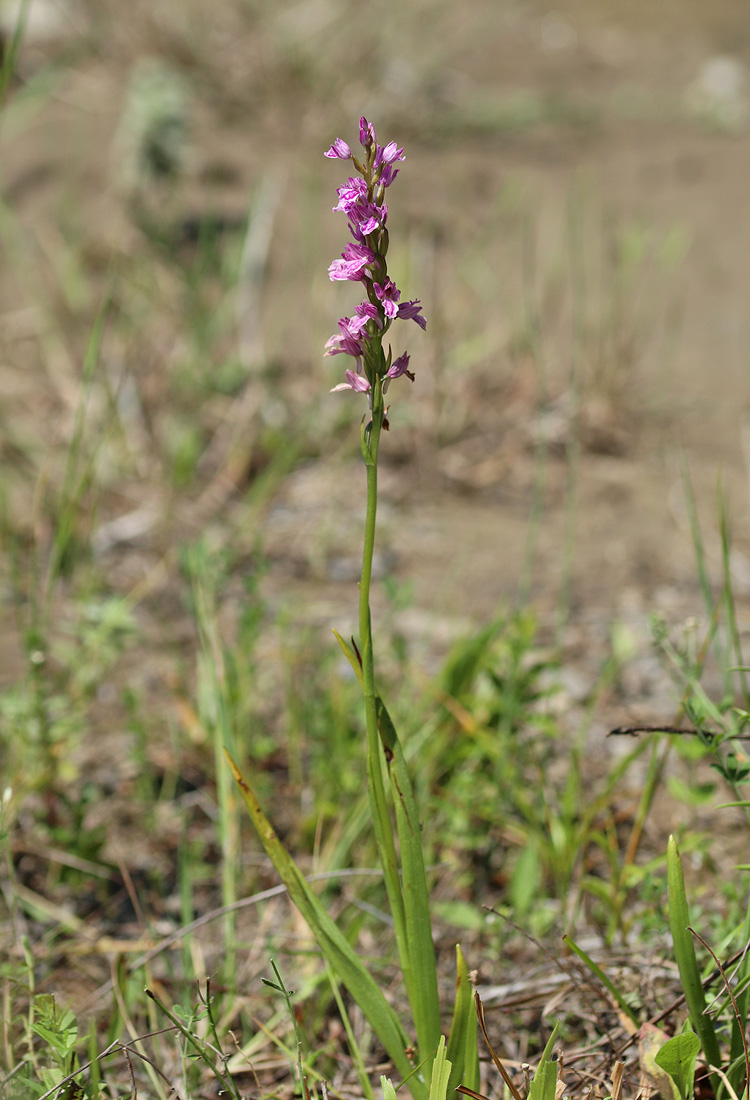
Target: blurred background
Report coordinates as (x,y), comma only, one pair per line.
(572,214)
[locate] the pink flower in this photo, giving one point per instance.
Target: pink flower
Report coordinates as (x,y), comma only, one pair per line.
(389,294)
(400,366)
(353,191)
(339,150)
(365,218)
(412,311)
(397,368)
(388,175)
(351,266)
(387,154)
(346,341)
(365,312)
(353,382)
(366,133)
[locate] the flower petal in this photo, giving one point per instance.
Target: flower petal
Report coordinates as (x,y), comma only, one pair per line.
(338,151)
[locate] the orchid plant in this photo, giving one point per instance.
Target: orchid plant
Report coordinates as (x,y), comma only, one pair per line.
(396,822)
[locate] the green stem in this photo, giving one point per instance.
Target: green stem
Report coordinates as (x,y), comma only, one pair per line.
(365,632)
(381,821)
(370,445)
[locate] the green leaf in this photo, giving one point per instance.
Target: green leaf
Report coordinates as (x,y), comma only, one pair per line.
(677,1058)
(408,895)
(384,840)
(53,1038)
(692,794)
(526,879)
(351,657)
(422,987)
(739,1026)
(544,1082)
(687,964)
(389,1093)
(342,957)
(462,1042)
(441,1072)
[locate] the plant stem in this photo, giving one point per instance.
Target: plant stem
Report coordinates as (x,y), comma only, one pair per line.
(370,446)
(379,813)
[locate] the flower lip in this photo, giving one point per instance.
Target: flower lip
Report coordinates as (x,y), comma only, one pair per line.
(388,293)
(412,311)
(354,382)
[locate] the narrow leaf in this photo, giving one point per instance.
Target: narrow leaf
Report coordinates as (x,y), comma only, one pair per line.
(738,1046)
(441,1072)
(599,973)
(384,839)
(342,957)
(353,660)
(423,986)
(389,1093)
(462,1041)
(544,1081)
(687,964)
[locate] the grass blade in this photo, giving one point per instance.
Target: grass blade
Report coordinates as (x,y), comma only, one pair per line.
(408,896)
(441,1072)
(544,1083)
(422,986)
(462,1041)
(687,964)
(383,829)
(602,977)
(342,957)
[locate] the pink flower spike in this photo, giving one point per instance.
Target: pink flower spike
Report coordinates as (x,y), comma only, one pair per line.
(412,311)
(338,151)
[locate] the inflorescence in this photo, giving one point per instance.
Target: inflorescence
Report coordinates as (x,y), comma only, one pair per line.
(362,200)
